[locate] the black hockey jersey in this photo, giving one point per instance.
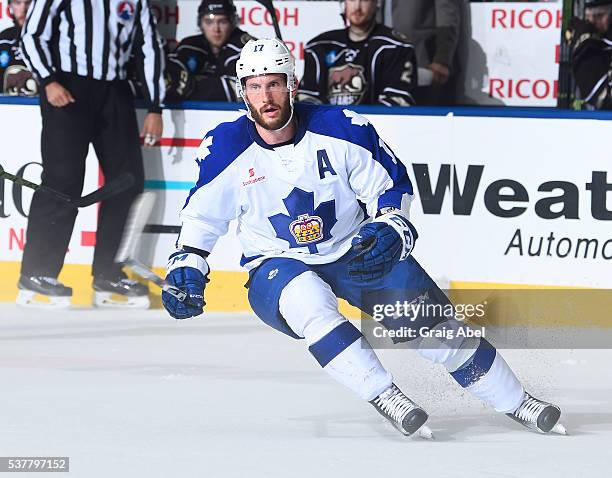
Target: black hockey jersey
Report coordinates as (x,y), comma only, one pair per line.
(591,61)
(15,76)
(378,70)
(195,73)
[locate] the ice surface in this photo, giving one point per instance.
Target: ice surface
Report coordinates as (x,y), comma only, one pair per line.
(136,394)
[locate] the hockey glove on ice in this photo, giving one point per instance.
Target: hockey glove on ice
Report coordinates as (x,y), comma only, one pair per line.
(380,245)
(188,272)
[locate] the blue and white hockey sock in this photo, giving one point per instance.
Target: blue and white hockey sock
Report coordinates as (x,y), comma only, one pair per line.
(335,343)
(475,364)
(348,358)
(487,376)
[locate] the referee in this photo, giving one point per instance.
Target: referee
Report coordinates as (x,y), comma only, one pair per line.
(79,51)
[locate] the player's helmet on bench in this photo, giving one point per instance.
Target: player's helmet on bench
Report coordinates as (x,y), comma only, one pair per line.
(262,57)
(218,7)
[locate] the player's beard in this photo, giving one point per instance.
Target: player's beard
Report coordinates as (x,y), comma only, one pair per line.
(274,124)
(359,19)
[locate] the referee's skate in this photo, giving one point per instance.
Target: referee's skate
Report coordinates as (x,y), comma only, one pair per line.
(120,292)
(43,292)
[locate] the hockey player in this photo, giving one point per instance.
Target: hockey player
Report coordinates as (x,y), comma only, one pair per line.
(203,67)
(17,80)
(591,58)
(299,180)
(365,63)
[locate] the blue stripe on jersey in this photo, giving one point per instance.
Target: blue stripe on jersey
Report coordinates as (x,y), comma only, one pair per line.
(245,260)
(334,122)
(477,366)
(229,140)
(390,198)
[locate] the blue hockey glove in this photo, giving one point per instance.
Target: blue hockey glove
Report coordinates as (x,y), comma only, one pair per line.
(380,245)
(188,272)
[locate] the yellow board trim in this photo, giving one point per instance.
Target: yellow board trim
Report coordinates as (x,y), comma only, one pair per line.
(226,293)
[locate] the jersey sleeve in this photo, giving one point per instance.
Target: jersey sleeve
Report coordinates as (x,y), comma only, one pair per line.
(396,78)
(312,86)
(590,62)
(375,173)
(36,38)
(213,202)
(153,59)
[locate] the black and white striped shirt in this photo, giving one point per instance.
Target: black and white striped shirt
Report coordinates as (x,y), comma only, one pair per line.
(94,39)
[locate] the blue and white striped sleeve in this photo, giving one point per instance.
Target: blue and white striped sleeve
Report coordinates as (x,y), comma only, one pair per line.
(35,38)
(375,173)
(153,59)
(212,202)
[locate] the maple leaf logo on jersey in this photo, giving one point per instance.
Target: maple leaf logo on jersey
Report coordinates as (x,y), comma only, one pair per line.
(384,146)
(305,226)
(203,149)
(356,118)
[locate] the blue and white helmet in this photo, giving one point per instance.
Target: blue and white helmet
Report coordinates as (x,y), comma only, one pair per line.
(262,57)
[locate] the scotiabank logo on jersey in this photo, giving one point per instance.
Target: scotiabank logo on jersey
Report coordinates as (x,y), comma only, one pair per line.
(555,200)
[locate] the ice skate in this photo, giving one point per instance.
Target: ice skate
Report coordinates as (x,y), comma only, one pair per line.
(43,293)
(538,415)
(120,292)
(403,413)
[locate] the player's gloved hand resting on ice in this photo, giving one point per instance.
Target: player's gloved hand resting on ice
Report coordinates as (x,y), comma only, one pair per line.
(189,272)
(380,245)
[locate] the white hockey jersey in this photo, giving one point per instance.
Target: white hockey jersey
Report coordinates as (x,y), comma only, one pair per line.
(304,200)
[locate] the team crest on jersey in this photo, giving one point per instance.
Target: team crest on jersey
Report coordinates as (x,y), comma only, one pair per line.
(126,10)
(346,84)
(307,229)
(305,225)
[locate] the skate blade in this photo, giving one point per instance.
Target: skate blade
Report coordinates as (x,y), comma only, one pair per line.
(108,300)
(34,300)
(559,429)
(425,433)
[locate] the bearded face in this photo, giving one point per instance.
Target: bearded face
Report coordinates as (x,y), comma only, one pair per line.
(269,100)
(360,13)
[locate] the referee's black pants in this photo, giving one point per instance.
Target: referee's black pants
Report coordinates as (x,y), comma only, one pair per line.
(103,115)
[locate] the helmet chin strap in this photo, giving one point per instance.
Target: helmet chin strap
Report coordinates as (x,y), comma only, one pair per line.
(288,121)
